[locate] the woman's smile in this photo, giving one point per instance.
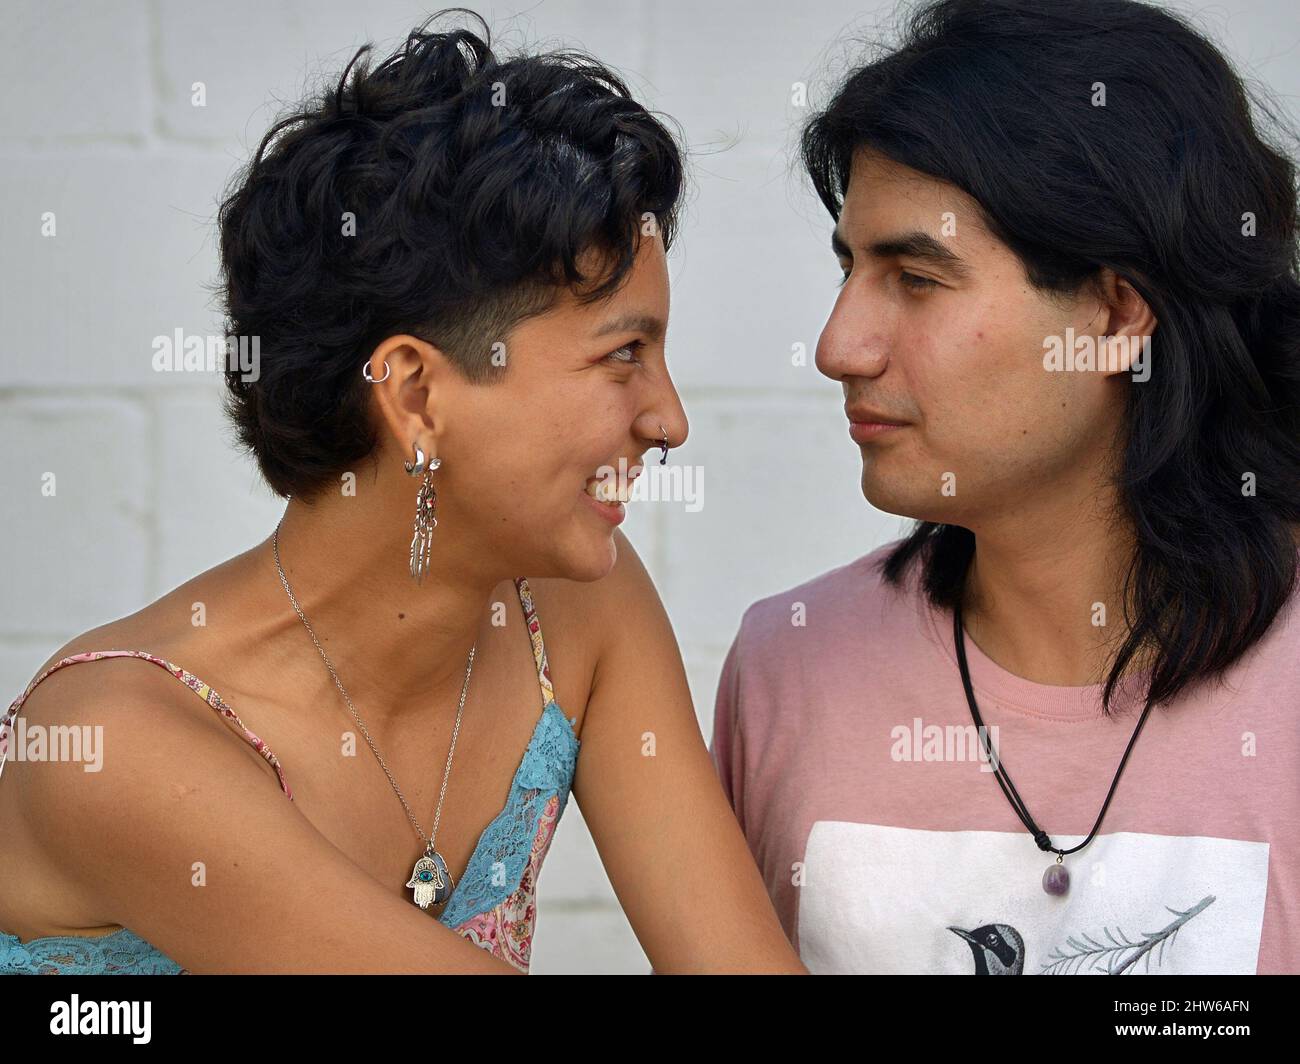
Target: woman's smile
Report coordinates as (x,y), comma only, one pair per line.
(613,512)
(607,490)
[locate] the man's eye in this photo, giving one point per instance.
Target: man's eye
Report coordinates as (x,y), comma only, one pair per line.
(916,282)
(626,354)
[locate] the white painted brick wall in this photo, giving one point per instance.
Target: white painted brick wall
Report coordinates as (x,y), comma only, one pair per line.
(98,127)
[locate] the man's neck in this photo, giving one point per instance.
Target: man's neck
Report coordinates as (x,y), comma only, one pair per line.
(1044,593)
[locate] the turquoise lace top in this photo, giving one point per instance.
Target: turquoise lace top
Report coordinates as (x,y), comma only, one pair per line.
(492,908)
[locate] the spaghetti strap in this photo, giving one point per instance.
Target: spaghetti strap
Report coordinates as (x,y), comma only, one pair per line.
(535,634)
(203,690)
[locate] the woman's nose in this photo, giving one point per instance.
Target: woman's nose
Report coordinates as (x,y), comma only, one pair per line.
(664,422)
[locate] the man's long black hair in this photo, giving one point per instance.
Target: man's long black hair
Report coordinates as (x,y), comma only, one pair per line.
(1109,133)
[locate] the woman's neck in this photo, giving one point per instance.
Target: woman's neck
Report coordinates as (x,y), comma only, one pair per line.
(397,643)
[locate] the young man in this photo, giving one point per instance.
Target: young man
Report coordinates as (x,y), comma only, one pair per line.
(1067,341)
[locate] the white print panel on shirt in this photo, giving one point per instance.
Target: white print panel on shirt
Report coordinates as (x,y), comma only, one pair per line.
(889,900)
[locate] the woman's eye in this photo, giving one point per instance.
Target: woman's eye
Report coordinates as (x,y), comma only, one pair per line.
(626,354)
(916,282)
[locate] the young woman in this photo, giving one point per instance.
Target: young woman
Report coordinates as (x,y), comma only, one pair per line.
(455,269)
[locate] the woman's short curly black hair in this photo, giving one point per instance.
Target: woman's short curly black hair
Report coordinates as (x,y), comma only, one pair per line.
(446,193)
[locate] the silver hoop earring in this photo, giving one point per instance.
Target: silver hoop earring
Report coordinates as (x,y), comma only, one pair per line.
(365,372)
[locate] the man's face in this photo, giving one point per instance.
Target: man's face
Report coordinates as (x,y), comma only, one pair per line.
(937,329)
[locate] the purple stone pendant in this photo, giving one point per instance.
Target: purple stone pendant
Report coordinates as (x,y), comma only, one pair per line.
(1056,880)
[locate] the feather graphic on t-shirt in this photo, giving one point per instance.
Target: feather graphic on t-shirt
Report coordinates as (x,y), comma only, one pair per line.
(1122,953)
(999,949)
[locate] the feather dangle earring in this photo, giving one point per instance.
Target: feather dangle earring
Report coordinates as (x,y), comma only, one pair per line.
(426,520)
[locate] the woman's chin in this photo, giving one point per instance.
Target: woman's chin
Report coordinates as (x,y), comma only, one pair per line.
(590,555)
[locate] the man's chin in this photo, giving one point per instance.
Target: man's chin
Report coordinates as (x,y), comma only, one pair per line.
(896,500)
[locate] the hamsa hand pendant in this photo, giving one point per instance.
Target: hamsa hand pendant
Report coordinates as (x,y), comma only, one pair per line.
(430,880)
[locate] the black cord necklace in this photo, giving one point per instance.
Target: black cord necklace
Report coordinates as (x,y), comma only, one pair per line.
(1056,879)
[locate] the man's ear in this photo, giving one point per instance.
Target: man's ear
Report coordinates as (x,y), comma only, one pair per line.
(1125,328)
(409,378)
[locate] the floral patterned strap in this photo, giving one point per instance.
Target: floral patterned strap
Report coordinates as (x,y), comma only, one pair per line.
(188,679)
(535,634)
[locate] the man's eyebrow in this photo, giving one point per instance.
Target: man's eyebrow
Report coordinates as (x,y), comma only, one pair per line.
(642,323)
(912,245)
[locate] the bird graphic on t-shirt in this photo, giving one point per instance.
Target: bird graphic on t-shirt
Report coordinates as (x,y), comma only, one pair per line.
(998,949)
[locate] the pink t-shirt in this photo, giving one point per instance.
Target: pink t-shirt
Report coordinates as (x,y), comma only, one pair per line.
(844,741)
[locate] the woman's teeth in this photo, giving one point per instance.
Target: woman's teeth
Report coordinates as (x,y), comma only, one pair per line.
(610,491)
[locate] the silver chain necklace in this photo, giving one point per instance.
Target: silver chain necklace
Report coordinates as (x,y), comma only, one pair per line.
(430,878)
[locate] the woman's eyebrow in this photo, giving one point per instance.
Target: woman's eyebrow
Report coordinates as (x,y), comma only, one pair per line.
(643,323)
(912,245)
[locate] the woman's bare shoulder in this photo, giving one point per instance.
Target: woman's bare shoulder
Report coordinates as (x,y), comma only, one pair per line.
(90,686)
(91,733)
(166,627)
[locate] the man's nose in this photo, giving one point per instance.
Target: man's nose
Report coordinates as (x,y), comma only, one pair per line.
(853,342)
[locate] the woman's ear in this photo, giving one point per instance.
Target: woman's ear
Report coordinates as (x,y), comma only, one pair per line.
(409,378)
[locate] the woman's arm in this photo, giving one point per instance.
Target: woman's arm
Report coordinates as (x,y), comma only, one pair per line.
(173,797)
(648,791)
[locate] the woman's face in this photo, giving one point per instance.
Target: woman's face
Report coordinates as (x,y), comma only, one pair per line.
(583,386)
